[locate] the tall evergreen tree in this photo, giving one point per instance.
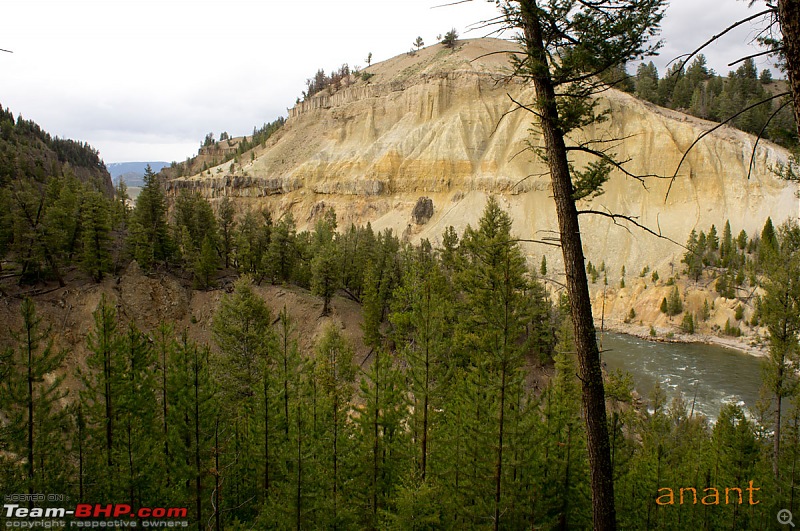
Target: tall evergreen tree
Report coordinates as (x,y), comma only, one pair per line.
(96,235)
(566,45)
(325,266)
(252,241)
(35,418)
(137,409)
(148,237)
(99,396)
(381,436)
(227,228)
(283,253)
(493,326)
(423,320)
(247,349)
(780,312)
(336,377)
(192,398)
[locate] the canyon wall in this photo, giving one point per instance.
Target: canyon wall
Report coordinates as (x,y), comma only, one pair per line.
(441,124)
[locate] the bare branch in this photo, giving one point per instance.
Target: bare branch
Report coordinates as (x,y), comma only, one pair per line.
(452,4)
(7,51)
(758,138)
(487,54)
(717,36)
(520,105)
(706,133)
(632,220)
(617,164)
(759,54)
(501,118)
(518,153)
(528,177)
(543,242)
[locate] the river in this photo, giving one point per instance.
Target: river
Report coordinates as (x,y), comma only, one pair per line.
(715,375)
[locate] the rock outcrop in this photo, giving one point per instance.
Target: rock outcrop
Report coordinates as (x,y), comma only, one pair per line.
(442,124)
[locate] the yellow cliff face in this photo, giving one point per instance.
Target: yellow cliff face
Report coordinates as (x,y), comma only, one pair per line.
(441,124)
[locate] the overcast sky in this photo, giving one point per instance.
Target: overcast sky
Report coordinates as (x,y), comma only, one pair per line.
(147,79)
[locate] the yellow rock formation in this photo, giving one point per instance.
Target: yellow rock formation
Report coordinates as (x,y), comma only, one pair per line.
(441,124)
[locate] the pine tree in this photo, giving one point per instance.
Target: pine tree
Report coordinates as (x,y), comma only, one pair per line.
(647,82)
(283,253)
(148,237)
(206,265)
(422,320)
(35,418)
(242,330)
(164,346)
(120,208)
(726,246)
(493,325)
(674,302)
(252,242)
(380,434)
(227,226)
(567,45)
(694,257)
(192,399)
(564,461)
(61,221)
(98,399)
(769,241)
(137,410)
(193,225)
(336,377)
(780,313)
(6,225)
(96,235)
(30,246)
(325,271)
(381,276)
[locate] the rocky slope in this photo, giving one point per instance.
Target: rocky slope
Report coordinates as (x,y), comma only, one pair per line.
(441,124)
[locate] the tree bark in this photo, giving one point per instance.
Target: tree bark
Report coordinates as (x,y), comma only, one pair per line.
(789,19)
(602,485)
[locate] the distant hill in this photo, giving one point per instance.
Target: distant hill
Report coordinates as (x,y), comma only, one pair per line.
(30,154)
(132,172)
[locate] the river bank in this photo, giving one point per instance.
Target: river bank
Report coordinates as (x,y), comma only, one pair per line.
(707,376)
(746,344)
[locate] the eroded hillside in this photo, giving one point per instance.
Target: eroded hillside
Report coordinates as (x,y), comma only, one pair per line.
(442,124)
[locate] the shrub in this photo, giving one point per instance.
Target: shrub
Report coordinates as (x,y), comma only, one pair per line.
(674,303)
(687,325)
(733,331)
(450,38)
(705,313)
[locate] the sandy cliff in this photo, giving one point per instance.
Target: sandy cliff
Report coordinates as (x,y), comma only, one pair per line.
(441,124)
